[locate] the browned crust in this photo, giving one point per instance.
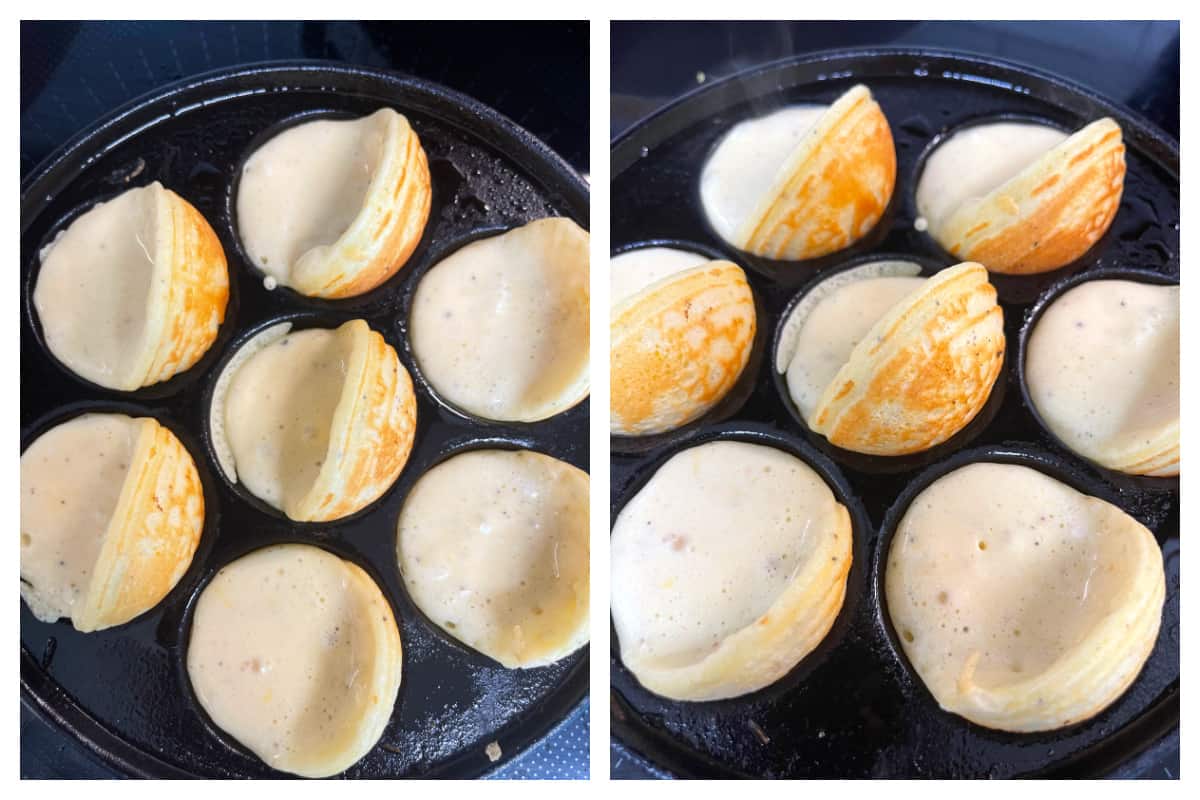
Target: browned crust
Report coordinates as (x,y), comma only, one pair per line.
(399,218)
(679,348)
(372,431)
(153,533)
(837,189)
(1052,215)
(922,373)
(197,295)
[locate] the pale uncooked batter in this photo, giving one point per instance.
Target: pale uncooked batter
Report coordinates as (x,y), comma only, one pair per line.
(707,547)
(295,653)
(93,289)
(279,410)
(300,191)
(832,329)
(500,327)
(635,270)
(746,163)
(1103,365)
(493,548)
(975,161)
(1001,569)
(71,480)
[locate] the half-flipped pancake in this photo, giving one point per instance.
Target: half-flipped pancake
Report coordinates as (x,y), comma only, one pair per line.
(1022,604)
(827,332)
(973,162)
(728,567)
(682,328)
(909,379)
(1102,368)
(133,291)
(493,548)
(295,653)
(317,423)
(500,327)
(802,182)
(334,207)
(111,513)
(1022,198)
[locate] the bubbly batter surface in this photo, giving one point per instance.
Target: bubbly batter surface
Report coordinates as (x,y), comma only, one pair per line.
(279,410)
(1102,365)
(1001,562)
(71,481)
(500,327)
(493,547)
(93,289)
(281,655)
(708,545)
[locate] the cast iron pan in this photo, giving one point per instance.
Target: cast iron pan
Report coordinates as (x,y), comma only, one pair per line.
(854,708)
(124,692)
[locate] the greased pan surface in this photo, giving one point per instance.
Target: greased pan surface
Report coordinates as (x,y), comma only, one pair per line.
(856,709)
(124,692)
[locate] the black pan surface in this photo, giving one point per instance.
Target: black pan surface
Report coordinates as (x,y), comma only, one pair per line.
(854,708)
(123,692)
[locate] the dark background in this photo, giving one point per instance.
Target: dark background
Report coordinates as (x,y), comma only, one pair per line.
(1133,63)
(73,74)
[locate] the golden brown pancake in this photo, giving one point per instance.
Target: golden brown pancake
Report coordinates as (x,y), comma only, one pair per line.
(804,181)
(133,291)
(682,328)
(111,514)
(1022,198)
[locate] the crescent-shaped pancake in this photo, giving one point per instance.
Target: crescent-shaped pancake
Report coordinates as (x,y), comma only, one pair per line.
(317,423)
(821,331)
(333,208)
(728,567)
(802,182)
(920,373)
(1102,369)
(295,653)
(111,514)
(682,328)
(133,291)
(500,327)
(1022,604)
(493,548)
(1023,198)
